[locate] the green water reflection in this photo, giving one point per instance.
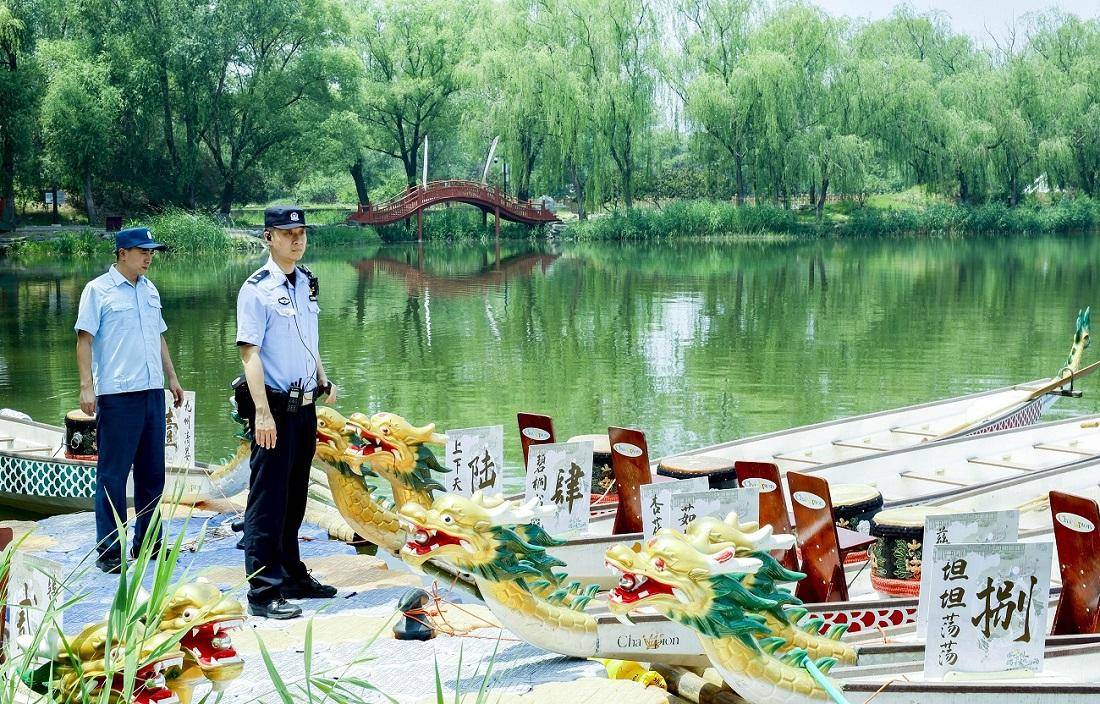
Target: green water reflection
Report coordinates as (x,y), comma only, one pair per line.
(694,342)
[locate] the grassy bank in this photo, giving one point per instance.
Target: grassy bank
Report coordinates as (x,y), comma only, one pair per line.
(710,218)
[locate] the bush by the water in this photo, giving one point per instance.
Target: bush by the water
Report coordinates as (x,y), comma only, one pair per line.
(79,244)
(186,232)
(335,235)
(709,218)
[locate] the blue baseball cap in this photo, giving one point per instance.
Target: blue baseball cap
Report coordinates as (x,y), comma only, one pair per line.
(136,237)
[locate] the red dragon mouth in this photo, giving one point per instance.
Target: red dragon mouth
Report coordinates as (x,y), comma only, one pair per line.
(210,643)
(149,685)
(424,540)
(635,587)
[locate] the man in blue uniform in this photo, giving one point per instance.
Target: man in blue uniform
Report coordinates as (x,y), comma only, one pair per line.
(277,335)
(124,362)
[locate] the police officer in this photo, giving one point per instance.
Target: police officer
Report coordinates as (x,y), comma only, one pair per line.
(124,362)
(277,336)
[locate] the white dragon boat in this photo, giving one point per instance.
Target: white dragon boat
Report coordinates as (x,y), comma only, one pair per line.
(35,475)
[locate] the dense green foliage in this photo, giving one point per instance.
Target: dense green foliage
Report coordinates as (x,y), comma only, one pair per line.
(133,106)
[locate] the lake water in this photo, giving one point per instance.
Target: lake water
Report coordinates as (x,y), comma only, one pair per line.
(692,342)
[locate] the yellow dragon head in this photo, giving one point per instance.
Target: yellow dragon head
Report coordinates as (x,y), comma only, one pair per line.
(711,535)
(206,617)
(670,574)
(90,667)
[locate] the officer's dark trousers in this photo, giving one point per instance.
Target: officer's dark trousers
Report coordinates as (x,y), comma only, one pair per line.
(277,504)
(130,433)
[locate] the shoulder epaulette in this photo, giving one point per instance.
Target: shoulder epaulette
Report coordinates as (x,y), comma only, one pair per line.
(259,276)
(304,270)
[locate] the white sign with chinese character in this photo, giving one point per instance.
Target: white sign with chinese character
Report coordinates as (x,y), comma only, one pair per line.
(475,457)
(656,511)
(956,528)
(559,475)
(686,507)
(987,607)
(33,585)
(179,431)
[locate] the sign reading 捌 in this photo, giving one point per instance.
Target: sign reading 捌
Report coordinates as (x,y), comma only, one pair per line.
(686,507)
(33,587)
(559,475)
(179,431)
(987,607)
(475,457)
(957,528)
(656,510)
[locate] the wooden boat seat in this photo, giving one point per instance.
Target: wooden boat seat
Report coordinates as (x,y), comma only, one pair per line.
(913,431)
(803,460)
(863,445)
(1006,464)
(911,474)
(1073,448)
(6,438)
(33,448)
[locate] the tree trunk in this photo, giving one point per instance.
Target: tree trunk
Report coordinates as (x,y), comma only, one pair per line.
(225,200)
(739,175)
(821,196)
(360,181)
(89,200)
(578,189)
(964,189)
(7,178)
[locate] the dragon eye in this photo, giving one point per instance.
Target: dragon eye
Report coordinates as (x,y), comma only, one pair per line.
(447,519)
(190,613)
(385,429)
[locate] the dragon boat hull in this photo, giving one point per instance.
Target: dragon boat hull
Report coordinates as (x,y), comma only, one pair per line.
(36,477)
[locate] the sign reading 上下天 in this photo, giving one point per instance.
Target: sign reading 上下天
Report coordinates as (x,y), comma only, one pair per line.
(953,529)
(987,610)
(686,507)
(179,431)
(656,510)
(32,588)
(475,457)
(559,476)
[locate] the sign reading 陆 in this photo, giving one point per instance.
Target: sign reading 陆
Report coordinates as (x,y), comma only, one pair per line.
(179,431)
(686,507)
(475,457)
(559,475)
(656,510)
(987,607)
(954,529)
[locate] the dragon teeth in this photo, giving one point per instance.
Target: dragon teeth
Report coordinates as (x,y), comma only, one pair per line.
(465,544)
(421,537)
(680,596)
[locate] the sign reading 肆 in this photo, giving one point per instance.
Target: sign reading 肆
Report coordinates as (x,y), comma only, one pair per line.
(475,457)
(987,609)
(957,528)
(656,510)
(34,584)
(686,507)
(179,431)
(559,475)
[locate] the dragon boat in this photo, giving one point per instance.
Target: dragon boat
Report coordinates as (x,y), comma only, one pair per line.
(36,476)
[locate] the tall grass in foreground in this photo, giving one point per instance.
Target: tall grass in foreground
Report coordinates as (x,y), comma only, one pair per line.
(188,233)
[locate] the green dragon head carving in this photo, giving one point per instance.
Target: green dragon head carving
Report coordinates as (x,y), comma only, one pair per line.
(1080,343)
(494,539)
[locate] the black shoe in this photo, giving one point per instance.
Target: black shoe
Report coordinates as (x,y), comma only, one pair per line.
(306,588)
(109,564)
(279,609)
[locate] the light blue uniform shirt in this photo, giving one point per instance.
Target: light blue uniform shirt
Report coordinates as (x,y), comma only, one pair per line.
(125,322)
(281,320)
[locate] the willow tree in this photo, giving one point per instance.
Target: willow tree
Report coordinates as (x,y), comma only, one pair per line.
(413,57)
(615,51)
(16,99)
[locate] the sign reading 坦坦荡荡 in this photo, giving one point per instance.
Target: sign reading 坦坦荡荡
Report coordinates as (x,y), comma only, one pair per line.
(559,476)
(987,607)
(475,457)
(953,529)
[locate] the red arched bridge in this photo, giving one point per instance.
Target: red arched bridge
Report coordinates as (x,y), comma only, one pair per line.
(489,199)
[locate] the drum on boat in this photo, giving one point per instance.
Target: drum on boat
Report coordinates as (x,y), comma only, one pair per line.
(896,555)
(603,476)
(80,432)
(718,470)
(854,505)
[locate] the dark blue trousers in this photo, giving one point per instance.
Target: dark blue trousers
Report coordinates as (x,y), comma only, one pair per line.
(130,433)
(277,504)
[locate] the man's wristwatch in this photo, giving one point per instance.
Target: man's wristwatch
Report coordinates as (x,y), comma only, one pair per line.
(325,388)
